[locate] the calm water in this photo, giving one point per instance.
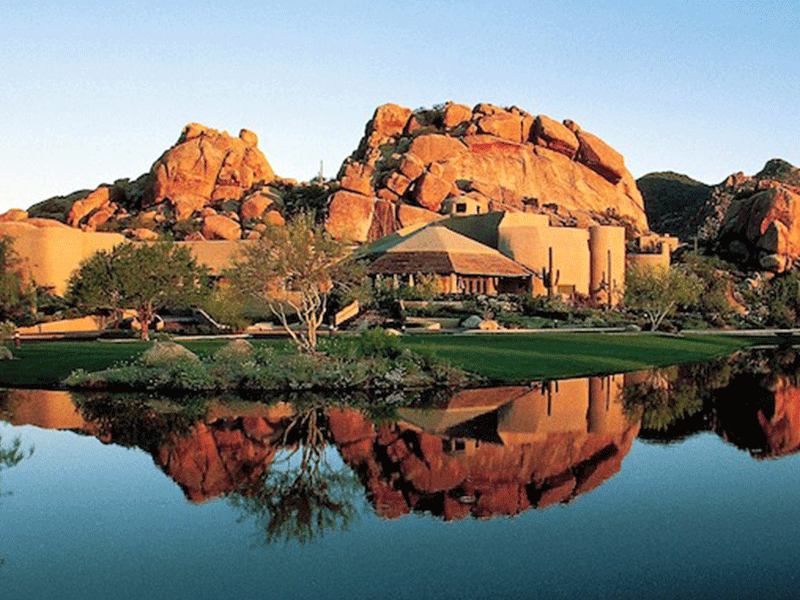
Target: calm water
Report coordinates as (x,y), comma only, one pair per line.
(681,483)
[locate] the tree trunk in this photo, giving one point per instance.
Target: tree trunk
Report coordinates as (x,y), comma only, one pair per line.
(145,314)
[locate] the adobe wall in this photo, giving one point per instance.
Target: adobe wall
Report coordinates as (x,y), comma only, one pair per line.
(51,251)
(530,244)
(81,325)
(607,267)
(647,262)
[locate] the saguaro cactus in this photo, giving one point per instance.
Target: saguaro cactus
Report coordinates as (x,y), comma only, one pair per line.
(549,279)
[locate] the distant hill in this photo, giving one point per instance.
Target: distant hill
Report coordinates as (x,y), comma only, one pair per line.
(672,202)
(780,171)
(753,221)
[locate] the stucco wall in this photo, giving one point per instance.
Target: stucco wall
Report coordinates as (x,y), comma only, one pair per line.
(648,261)
(81,325)
(530,246)
(607,249)
(51,251)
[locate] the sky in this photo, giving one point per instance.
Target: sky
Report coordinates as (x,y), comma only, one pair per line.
(93,91)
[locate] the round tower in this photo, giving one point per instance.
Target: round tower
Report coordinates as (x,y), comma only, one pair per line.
(607,263)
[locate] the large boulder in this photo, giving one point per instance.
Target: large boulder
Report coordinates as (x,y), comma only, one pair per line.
(206,165)
(501,158)
(219,227)
(768,223)
(350,216)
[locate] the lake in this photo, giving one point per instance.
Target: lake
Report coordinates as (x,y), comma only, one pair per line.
(671,483)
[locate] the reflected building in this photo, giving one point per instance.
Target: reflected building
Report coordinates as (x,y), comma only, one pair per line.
(491,452)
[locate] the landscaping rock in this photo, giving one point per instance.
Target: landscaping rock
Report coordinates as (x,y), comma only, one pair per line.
(489,325)
(472,322)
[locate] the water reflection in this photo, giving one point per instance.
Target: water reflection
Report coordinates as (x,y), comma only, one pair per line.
(477,454)
(751,400)
(11,454)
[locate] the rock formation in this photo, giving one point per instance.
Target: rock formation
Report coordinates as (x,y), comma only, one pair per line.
(410,165)
(208,186)
(752,221)
(205,166)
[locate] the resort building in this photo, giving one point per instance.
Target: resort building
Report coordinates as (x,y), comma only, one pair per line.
(504,251)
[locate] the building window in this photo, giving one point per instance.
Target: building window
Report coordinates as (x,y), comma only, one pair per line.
(461,207)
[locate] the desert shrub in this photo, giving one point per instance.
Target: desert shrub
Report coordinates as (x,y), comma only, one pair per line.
(234,350)
(781,299)
(166,353)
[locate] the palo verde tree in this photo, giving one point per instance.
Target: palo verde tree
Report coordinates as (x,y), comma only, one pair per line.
(293,269)
(144,277)
(658,291)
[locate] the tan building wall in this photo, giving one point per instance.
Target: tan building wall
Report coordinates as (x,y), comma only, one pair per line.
(648,261)
(607,249)
(529,242)
(82,325)
(52,251)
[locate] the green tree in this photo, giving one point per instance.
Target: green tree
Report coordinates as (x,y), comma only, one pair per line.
(143,277)
(717,281)
(293,269)
(781,298)
(16,296)
(657,291)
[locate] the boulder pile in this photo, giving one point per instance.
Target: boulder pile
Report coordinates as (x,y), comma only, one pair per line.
(208,186)
(409,168)
(411,165)
(753,221)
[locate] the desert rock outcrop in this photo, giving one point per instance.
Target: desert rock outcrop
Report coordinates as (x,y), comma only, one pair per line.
(206,165)
(505,159)
(209,185)
(752,221)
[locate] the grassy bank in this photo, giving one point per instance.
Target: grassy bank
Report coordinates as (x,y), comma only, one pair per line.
(45,364)
(517,357)
(502,357)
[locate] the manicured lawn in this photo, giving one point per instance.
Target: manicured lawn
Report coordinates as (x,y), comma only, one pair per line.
(518,357)
(45,364)
(509,358)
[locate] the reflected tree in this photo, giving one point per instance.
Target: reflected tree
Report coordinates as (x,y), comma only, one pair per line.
(674,403)
(11,456)
(302,497)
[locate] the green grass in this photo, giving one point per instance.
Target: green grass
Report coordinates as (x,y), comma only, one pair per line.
(45,364)
(512,358)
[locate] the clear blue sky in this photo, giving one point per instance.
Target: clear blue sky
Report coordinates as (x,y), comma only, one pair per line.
(95,90)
